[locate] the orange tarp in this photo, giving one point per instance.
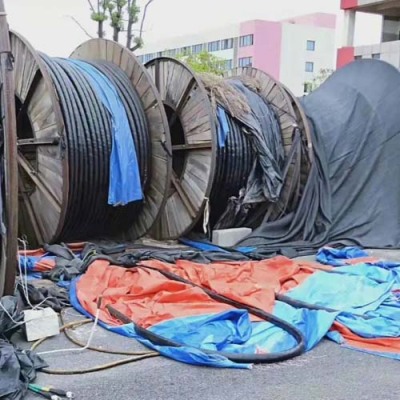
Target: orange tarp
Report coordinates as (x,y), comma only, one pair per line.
(381,345)
(148,298)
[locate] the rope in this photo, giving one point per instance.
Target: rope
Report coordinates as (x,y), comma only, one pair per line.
(135,356)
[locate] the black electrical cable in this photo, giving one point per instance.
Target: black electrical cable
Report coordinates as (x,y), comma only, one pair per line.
(233,166)
(88,138)
(236,159)
(239,358)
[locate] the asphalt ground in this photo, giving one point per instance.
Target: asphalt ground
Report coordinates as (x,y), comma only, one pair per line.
(328,372)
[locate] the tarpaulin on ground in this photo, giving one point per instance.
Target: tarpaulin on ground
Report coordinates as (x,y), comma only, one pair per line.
(153,301)
(366,296)
(362,299)
(352,194)
(43,259)
(351,256)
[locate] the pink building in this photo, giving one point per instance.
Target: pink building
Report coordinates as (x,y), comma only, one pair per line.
(389,48)
(293,51)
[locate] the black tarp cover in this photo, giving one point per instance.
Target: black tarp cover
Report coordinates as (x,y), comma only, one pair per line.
(353,191)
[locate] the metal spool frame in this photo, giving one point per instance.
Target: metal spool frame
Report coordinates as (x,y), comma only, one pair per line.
(42,153)
(290,114)
(193,134)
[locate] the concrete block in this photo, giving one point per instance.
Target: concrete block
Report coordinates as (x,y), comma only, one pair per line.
(229,237)
(41,324)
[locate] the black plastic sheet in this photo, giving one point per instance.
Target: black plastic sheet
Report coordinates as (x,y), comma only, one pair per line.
(352,195)
(17,369)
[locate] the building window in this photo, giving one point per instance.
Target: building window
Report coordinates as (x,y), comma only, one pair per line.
(247,40)
(228,64)
(245,62)
(148,57)
(197,48)
(309,66)
(141,59)
(172,52)
(213,46)
(376,56)
(311,45)
(358,57)
(226,44)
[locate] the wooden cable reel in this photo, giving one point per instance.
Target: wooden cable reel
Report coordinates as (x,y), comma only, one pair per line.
(193,135)
(161,163)
(290,115)
(42,151)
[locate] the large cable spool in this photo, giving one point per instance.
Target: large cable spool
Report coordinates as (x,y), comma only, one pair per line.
(292,119)
(160,161)
(193,137)
(47,177)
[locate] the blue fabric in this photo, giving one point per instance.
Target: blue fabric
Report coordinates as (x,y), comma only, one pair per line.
(353,293)
(338,257)
(204,246)
(365,294)
(29,262)
(223,127)
(124,185)
(230,332)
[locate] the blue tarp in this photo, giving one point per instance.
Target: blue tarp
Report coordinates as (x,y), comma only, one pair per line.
(366,295)
(124,185)
(340,257)
(208,246)
(223,126)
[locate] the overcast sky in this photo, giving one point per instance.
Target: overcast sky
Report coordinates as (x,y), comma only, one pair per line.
(49,27)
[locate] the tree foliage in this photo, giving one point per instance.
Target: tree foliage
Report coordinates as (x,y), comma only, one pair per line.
(204,62)
(122,16)
(318,80)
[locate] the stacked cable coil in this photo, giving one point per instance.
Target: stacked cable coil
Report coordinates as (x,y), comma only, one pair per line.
(209,152)
(237,179)
(89,141)
(77,180)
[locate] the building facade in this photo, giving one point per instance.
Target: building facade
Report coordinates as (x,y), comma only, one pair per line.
(292,51)
(389,48)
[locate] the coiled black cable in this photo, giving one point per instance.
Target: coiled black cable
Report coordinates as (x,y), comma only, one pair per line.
(88,138)
(233,166)
(236,159)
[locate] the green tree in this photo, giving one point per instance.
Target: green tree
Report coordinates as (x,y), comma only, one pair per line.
(318,80)
(204,62)
(122,16)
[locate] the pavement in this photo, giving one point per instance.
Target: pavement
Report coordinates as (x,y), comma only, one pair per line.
(328,372)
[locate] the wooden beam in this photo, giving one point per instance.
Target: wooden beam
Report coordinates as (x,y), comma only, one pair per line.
(9,245)
(45,141)
(192,146)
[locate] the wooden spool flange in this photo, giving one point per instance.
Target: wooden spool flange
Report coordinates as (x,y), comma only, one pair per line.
(290,114)
(193,136)
(161,162)
(42,158)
